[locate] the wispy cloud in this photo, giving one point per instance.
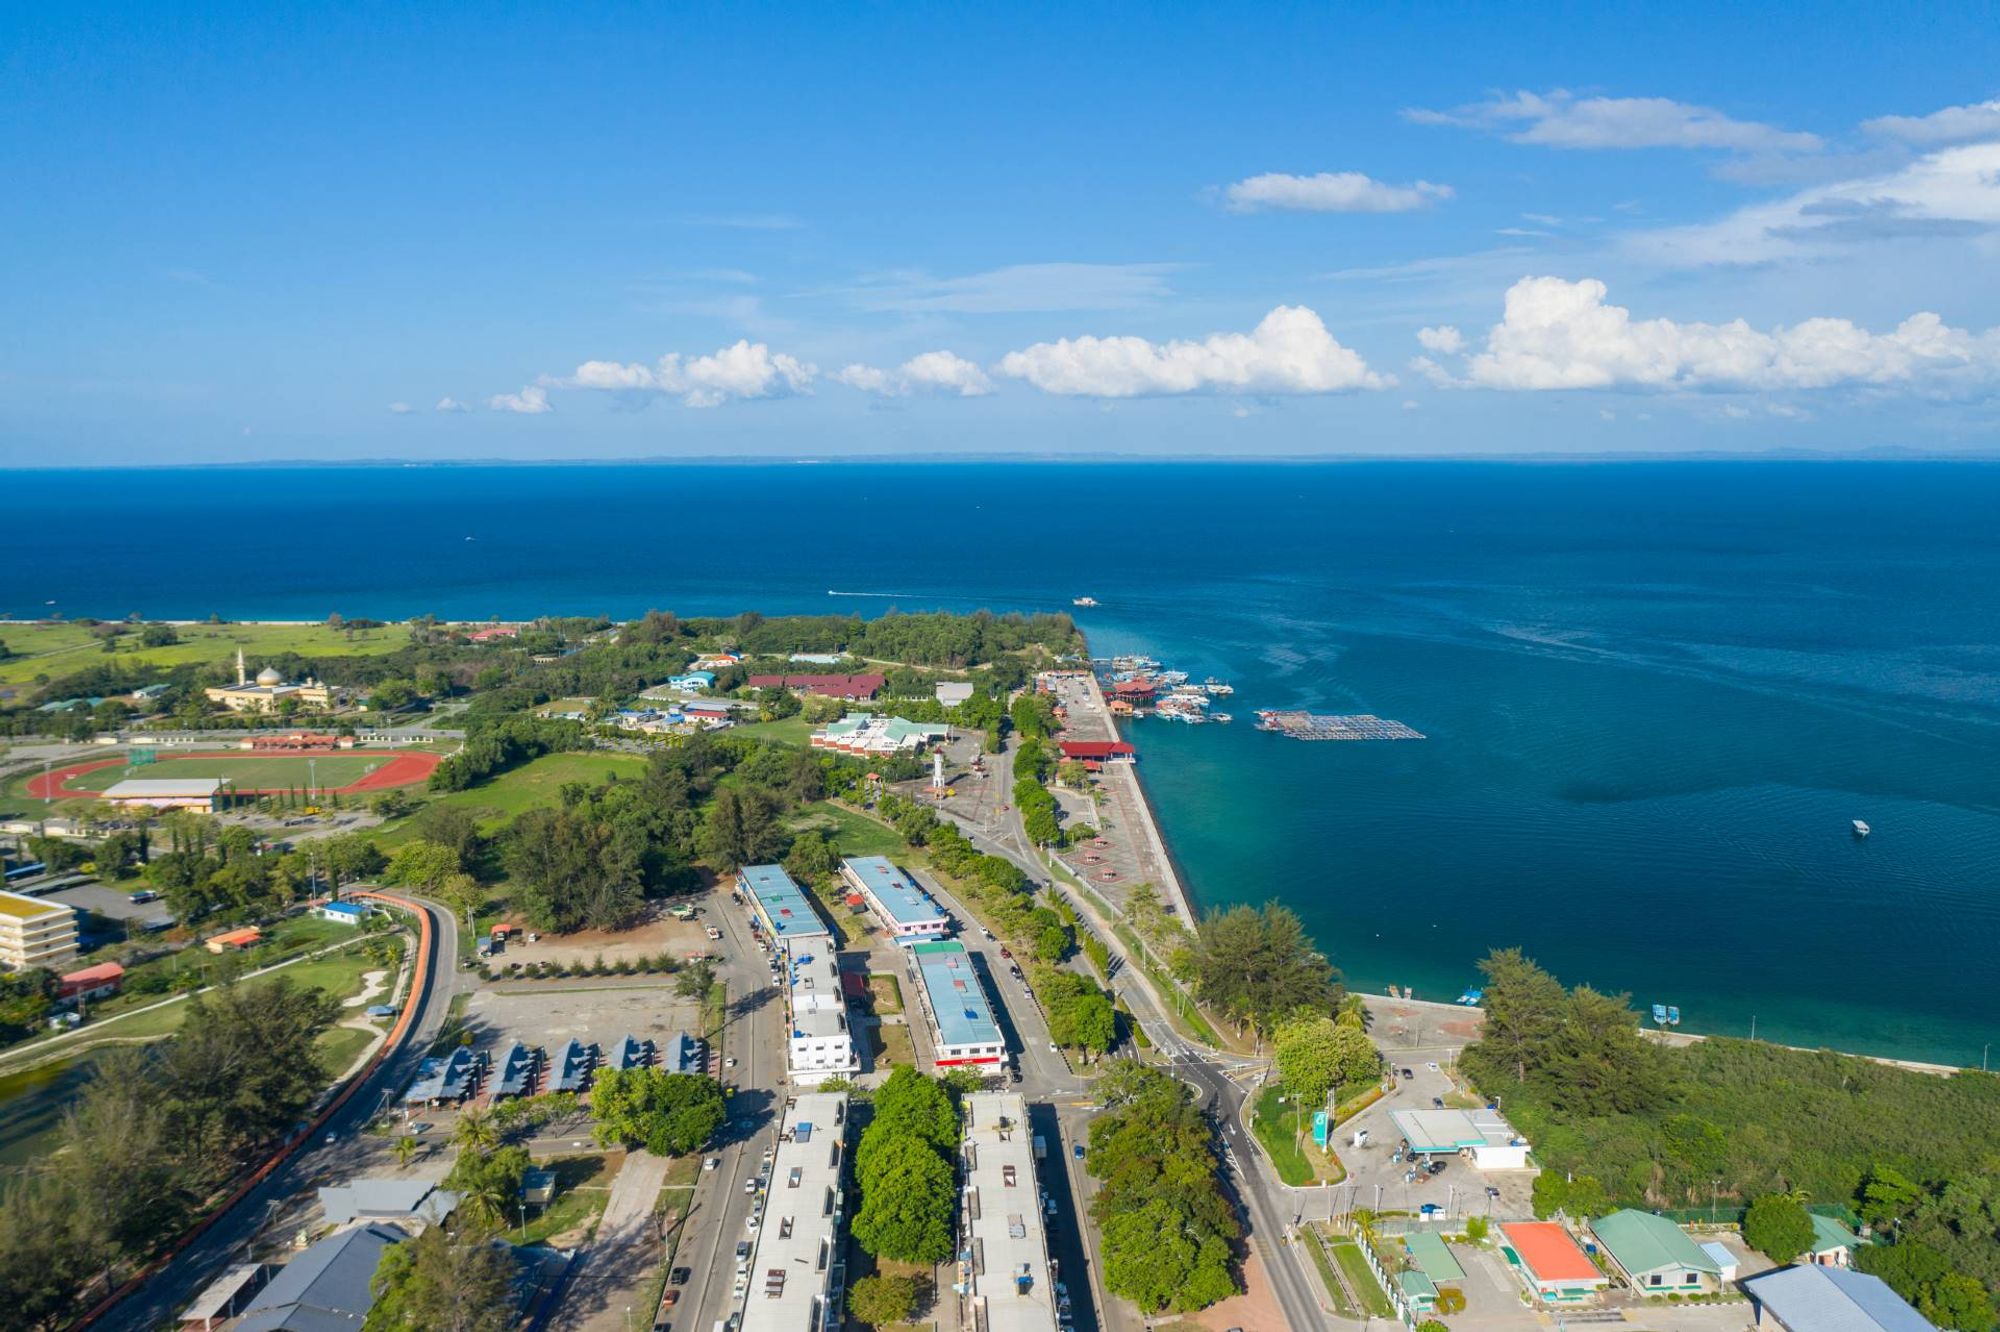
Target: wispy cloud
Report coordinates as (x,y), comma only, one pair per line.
(401,408)
(1560,119)
(1290,351)
(448,404)
(1953,124)
(1017,289)
(1329,192)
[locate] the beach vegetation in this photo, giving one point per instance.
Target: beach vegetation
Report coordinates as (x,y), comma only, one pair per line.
(1258,967)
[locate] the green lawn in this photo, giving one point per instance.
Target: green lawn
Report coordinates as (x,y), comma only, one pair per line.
(60,649)
(249,772)
(341,1046)
(1335,1292)
(583,1186)
(1359,1279)
(893,1046)
(532,784)
(856,834)
(790,730)
(1276,1125)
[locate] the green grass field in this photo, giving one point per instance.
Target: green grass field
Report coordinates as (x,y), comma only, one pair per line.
(789,730)
(525,787)
(856,834)
(248,772)
(58,649)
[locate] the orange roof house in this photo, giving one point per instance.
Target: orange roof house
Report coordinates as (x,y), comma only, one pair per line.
(248,937)
(1549,1262)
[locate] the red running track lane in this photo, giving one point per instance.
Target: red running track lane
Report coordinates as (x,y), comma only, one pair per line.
(418,977)
(403,768)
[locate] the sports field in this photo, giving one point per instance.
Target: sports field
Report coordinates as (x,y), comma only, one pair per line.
(250,774)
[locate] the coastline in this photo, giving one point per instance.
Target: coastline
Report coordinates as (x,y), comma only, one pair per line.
(1156,860)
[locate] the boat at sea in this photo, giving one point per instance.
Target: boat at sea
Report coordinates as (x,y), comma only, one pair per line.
(1083,601)
(1471,998)
(1666,1015)
(1218,716)
(1217,687)
(1861,829)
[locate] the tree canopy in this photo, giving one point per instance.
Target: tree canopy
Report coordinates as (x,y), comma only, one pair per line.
(670,1114)
(1257,966)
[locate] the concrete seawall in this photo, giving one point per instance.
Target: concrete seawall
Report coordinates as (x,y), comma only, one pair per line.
(1157,865)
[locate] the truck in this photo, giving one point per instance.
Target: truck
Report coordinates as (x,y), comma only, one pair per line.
(1041,1148)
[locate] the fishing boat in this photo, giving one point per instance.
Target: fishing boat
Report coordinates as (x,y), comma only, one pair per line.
(1673,1016)
(1660,1014)
(1217,687)
(1218,716)
(1471,998)
(1083,601)
(1861,829)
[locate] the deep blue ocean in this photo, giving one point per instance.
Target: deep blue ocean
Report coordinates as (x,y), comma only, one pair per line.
(1656,693)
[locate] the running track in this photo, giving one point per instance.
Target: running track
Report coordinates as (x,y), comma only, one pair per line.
(403,768)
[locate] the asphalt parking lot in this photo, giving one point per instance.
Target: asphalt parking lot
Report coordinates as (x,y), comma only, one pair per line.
(549,1013)
(1375,1180)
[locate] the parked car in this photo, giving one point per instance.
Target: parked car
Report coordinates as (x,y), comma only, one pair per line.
(679,1276)
(1437,1102)
(1409,1073)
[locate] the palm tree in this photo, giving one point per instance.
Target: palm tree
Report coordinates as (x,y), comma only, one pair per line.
(406,1147)
(476,1131)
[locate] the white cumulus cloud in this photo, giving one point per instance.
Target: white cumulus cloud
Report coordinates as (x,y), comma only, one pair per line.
(935,371)
(1330,192)
(448,404)
(1290,351)
(1560,119)
(744,370)
(530,401)
(1446,341)
(1557,334)
(1953,124)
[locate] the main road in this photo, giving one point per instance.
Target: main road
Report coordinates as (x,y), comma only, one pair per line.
(160,1299)
(1268,1211)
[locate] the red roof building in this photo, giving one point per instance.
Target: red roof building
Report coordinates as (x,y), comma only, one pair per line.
(493,633)
(91,982)
(1104,751)
(853,688)
(1133,689)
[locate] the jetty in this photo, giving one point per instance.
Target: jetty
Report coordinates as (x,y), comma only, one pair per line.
(1300,725)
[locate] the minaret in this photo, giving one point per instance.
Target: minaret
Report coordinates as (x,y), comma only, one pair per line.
(241,678)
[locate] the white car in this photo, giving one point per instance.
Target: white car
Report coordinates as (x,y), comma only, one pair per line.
(712,1163)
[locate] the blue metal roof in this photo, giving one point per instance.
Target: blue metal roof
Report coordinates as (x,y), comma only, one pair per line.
(572,1067)
(783,903)
(442,1079)
(906,903)
(517,1071)
(1810,1298)
(958,1000)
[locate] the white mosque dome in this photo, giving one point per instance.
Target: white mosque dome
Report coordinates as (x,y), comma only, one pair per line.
(269,676)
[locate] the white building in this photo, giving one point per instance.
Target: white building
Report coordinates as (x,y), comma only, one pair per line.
(962,1027)
(904,909)
(820,1045)
(34,933)
(1482,1135)
(203,793)
(1005,1280)
(796,1281)
(866,733)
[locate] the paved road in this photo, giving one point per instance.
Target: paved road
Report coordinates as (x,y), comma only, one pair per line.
(162,1298)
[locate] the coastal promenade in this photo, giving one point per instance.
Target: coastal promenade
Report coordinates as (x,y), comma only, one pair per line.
(1089,718)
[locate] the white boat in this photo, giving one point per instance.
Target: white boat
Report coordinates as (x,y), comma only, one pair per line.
(1217,687)
(1861,829)
(1083,601)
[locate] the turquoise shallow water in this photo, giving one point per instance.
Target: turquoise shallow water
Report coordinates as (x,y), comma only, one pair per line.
(1655,693)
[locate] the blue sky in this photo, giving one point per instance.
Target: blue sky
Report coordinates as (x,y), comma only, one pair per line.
(276,232)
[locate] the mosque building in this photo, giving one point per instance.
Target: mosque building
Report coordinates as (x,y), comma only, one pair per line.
(269,689)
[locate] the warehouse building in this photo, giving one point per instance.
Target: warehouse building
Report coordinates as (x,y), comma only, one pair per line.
(202,793)
(1005,1280)
(796,1277)
(962,1027)
(34,933)
(1654,1255)
(782,909)
(1816,1298)
(903,908)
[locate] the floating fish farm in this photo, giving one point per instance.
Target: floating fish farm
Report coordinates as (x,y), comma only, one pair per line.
(1331,726)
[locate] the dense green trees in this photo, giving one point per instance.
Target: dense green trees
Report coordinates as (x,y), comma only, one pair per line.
(445,1280)
(881,1300)
(151,1137)
(1080,1014)
(571,872)
(1778,1226)
(669,1114)
(1257,967)
(26,997)
(1582,1050)
(741,828)
(1317,1055)
(1168,1229)
(903,1166)
(487,1180)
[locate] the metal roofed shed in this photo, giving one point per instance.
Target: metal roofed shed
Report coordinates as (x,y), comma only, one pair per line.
(781,906)
(1429,1253)
(631,1052)
(683,1054)
(223,1297)
(962,1024)
(1655,1255)
(1816,1298)
(899,903)
(325,1287)
(166,793)
(446,1079)
(1483,1135)
(517,1071)
(573,1066)
(386,1199)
